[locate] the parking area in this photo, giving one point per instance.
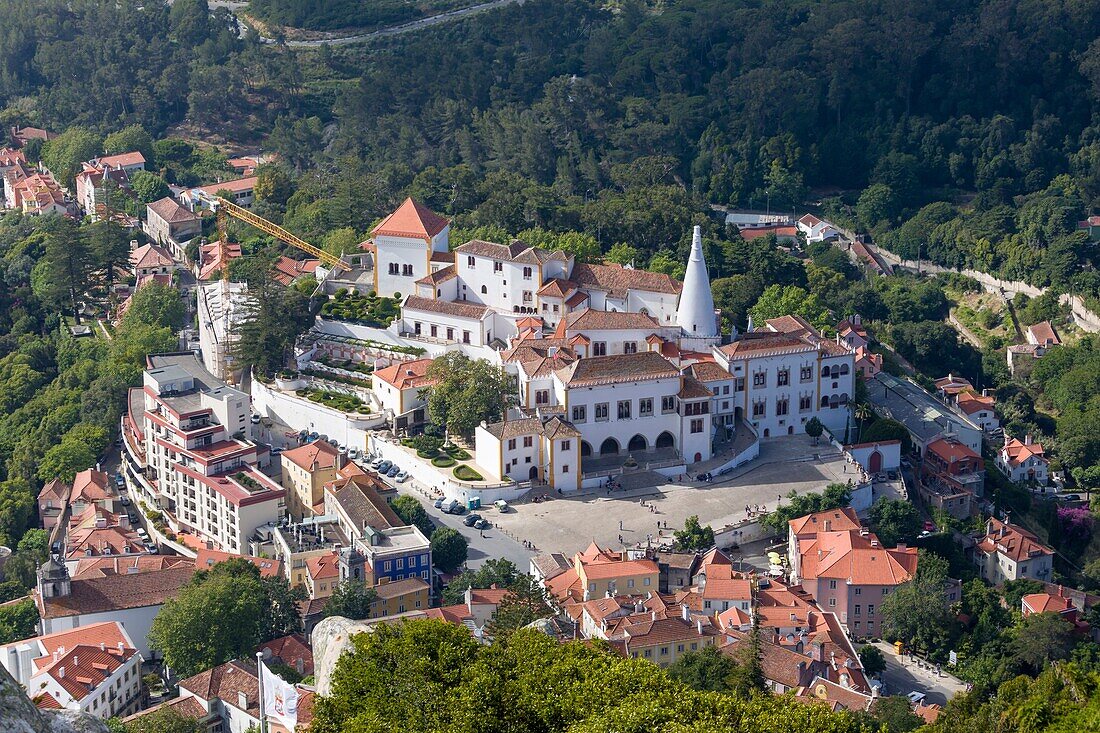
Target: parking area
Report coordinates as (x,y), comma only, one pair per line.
(569,523)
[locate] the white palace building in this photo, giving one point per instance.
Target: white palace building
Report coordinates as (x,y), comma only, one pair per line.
(610,361)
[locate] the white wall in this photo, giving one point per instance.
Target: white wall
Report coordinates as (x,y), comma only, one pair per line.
(136,621)
(400,251)
(301,414)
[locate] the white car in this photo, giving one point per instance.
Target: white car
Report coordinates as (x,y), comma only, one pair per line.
(402,477)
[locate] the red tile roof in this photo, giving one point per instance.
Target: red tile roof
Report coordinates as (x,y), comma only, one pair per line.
(1016,451)
(287,270)
(290,649)
(1013,542)
(1043,333)
(406,374)
(856,559)
(1045,603)
(951,450)
(122,159)
(830,520)
(324,566)
(594,320)
(150,255)
(208,558)
(117,592)
(235,186)
(411,219)
(445,307)
(319,454)
(617,368)
(617,280)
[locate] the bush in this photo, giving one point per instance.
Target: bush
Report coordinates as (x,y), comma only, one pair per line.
(465,473)
(428,444)
(457,453)
(444,462)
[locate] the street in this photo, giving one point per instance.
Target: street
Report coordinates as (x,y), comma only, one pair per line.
(903,676)
(494,544)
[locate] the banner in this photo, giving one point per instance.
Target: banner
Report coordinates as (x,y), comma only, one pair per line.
(280,699)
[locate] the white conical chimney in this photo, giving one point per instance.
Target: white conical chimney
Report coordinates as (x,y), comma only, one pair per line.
(695,313)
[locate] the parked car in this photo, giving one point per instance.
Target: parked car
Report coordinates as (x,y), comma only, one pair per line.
(255,419)
(385,467)
(471,519)
(152,549)
(438,503)
(342,450)
(125,500)
(353,454)
(916,698)
(377,463)
(276,451)
(119,480)
(482,524)
(394,470)
(501,505)
(1071,497)
(142,533)
(402,477)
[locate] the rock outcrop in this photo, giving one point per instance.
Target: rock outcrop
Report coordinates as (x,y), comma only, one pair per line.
(331,638)
(19,715)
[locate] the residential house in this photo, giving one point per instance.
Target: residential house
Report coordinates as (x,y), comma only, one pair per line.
(240,191)
(151,259)
(1009,552)
(207,558)
(404,244)
(816,230)
(293,651)
(924,416)
(306,469)
(289,270)
(95,669)
(52,502)
(849,573)
(951,475)
(227,699)
(172,226)
(597,571)
(1024,462)
(397,388)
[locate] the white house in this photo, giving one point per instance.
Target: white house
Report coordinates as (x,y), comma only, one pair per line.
(531,448)
(94,669)
(1007,552)
(397,389)
(781,380)
(1024,461)
(404,244)
(816,230)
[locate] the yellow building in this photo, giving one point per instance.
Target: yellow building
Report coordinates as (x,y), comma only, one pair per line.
(400,596)
(306,469)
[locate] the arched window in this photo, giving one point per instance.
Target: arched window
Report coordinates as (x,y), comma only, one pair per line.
(825,401)
(825,373)
(484,290)
(844,369)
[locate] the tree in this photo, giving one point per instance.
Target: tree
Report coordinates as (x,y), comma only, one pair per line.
(734,296)
(78,449)
(109,247)
(161,720)
(465,392)
(221,614)
(704,669)
(887,429)
(622,254)
(18,621)
(693,536)
(876,206)
(788,300)
(896,713)
(412,512)
(351,599)
(834,497)
(61,276)
(747,677)
(497,572)
(894,520)
(148,187)
(1042,638)
(63,154)
(129,139)
(917,614)
(872,659)
(156,305)
(273,184)
(526,602)
(449,549)
(814,428)
(273,318)
(341,241)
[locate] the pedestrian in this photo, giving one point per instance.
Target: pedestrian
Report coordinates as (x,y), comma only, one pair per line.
(658,524)
(620,525)
(620,539)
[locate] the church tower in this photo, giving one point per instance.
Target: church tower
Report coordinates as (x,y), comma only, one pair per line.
(695,314)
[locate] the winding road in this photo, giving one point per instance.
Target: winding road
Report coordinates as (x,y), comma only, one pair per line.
(394,30)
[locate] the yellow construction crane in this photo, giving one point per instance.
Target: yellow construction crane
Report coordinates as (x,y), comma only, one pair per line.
(227,208)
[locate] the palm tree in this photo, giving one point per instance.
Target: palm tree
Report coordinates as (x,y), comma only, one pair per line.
(862,413)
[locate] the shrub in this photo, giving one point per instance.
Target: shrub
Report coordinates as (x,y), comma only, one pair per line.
(444,462)
(465,473)
(458,454)
(429,444)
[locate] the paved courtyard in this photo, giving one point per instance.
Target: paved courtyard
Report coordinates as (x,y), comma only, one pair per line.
(568,524)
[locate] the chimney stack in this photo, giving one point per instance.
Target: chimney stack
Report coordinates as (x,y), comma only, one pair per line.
(685,613)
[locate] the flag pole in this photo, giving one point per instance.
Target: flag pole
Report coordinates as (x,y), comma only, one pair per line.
(260,680)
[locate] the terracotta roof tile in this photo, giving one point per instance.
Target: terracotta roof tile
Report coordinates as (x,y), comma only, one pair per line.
(411,219)
(617,368)
(617,280)
(168,209)
(117,592)
(594,320)
(445,307)
(319,454)
(406,374)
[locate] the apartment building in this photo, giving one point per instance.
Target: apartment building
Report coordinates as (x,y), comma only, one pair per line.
(171,226)
(306,469)
(198,459)
(1009,552)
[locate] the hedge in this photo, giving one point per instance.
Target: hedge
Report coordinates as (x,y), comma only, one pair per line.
(443,462)
(465,473)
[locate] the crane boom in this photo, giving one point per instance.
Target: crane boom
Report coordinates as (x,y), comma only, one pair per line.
(228,208)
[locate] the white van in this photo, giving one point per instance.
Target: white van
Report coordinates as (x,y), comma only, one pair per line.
(501,505)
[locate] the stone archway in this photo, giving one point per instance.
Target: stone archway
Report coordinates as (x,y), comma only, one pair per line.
(609,447)
(586,449)
(533,473)
(637,443)
(665,440)
(874,463)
